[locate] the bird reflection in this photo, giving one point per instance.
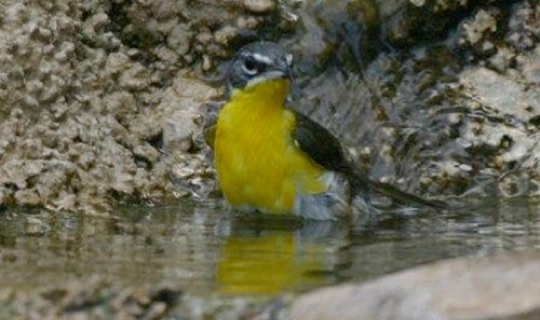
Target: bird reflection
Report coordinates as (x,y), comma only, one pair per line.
(269,256)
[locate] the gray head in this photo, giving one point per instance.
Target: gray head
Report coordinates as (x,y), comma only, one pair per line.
(258,62)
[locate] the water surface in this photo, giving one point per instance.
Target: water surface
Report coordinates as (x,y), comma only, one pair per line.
(205,250)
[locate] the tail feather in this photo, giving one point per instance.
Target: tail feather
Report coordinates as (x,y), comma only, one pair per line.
(362,186)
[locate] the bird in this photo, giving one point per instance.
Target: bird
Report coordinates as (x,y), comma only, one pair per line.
(271,159)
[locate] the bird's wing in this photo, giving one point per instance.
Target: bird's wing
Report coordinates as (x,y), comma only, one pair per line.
(319,144)
(210,122)
(325,149)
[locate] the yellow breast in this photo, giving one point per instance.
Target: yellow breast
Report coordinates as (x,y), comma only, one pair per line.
(258,164)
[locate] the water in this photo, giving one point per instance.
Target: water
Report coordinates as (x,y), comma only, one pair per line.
(207,251)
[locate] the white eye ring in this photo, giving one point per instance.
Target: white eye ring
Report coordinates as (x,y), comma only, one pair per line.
(249,65)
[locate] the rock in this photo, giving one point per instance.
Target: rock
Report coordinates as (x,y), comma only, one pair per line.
(225,34)
(501,93)
(182,107)
(497,287)
(260,6)
(27,197)
(407,22)
(418,3)
(483,22)
(179,38)
(88,96)
(90,86)
(529,65)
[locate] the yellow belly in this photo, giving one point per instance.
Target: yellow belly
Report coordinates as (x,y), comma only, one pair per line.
(258,164)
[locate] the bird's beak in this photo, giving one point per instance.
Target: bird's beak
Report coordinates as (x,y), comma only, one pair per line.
(270,75)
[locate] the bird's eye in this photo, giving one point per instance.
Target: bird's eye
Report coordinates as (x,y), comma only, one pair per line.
(252,66)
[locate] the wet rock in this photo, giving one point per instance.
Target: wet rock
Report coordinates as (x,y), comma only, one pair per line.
(96,298)
(497,287)
(483,22)
(260,5)
(404,23)
(501,93)
(334,30)
(436,119)
(529,65)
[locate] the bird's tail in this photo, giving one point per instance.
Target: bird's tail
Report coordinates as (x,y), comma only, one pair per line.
(362,186)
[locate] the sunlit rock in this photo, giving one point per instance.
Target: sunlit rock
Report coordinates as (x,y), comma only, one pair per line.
(498,287)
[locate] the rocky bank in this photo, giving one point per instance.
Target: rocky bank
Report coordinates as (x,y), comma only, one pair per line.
(100,100)
(103,101)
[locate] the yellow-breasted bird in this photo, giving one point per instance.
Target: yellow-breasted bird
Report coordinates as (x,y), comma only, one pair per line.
(272,159)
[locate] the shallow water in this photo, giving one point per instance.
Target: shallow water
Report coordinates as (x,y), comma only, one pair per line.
(207,251)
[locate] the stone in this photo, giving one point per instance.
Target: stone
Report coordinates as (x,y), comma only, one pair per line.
(483,23)
(496,287)
(182,107)
(260,6)
(418,3)
(179,39)
(500,92)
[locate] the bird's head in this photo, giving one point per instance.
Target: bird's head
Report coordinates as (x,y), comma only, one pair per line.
(259,62)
